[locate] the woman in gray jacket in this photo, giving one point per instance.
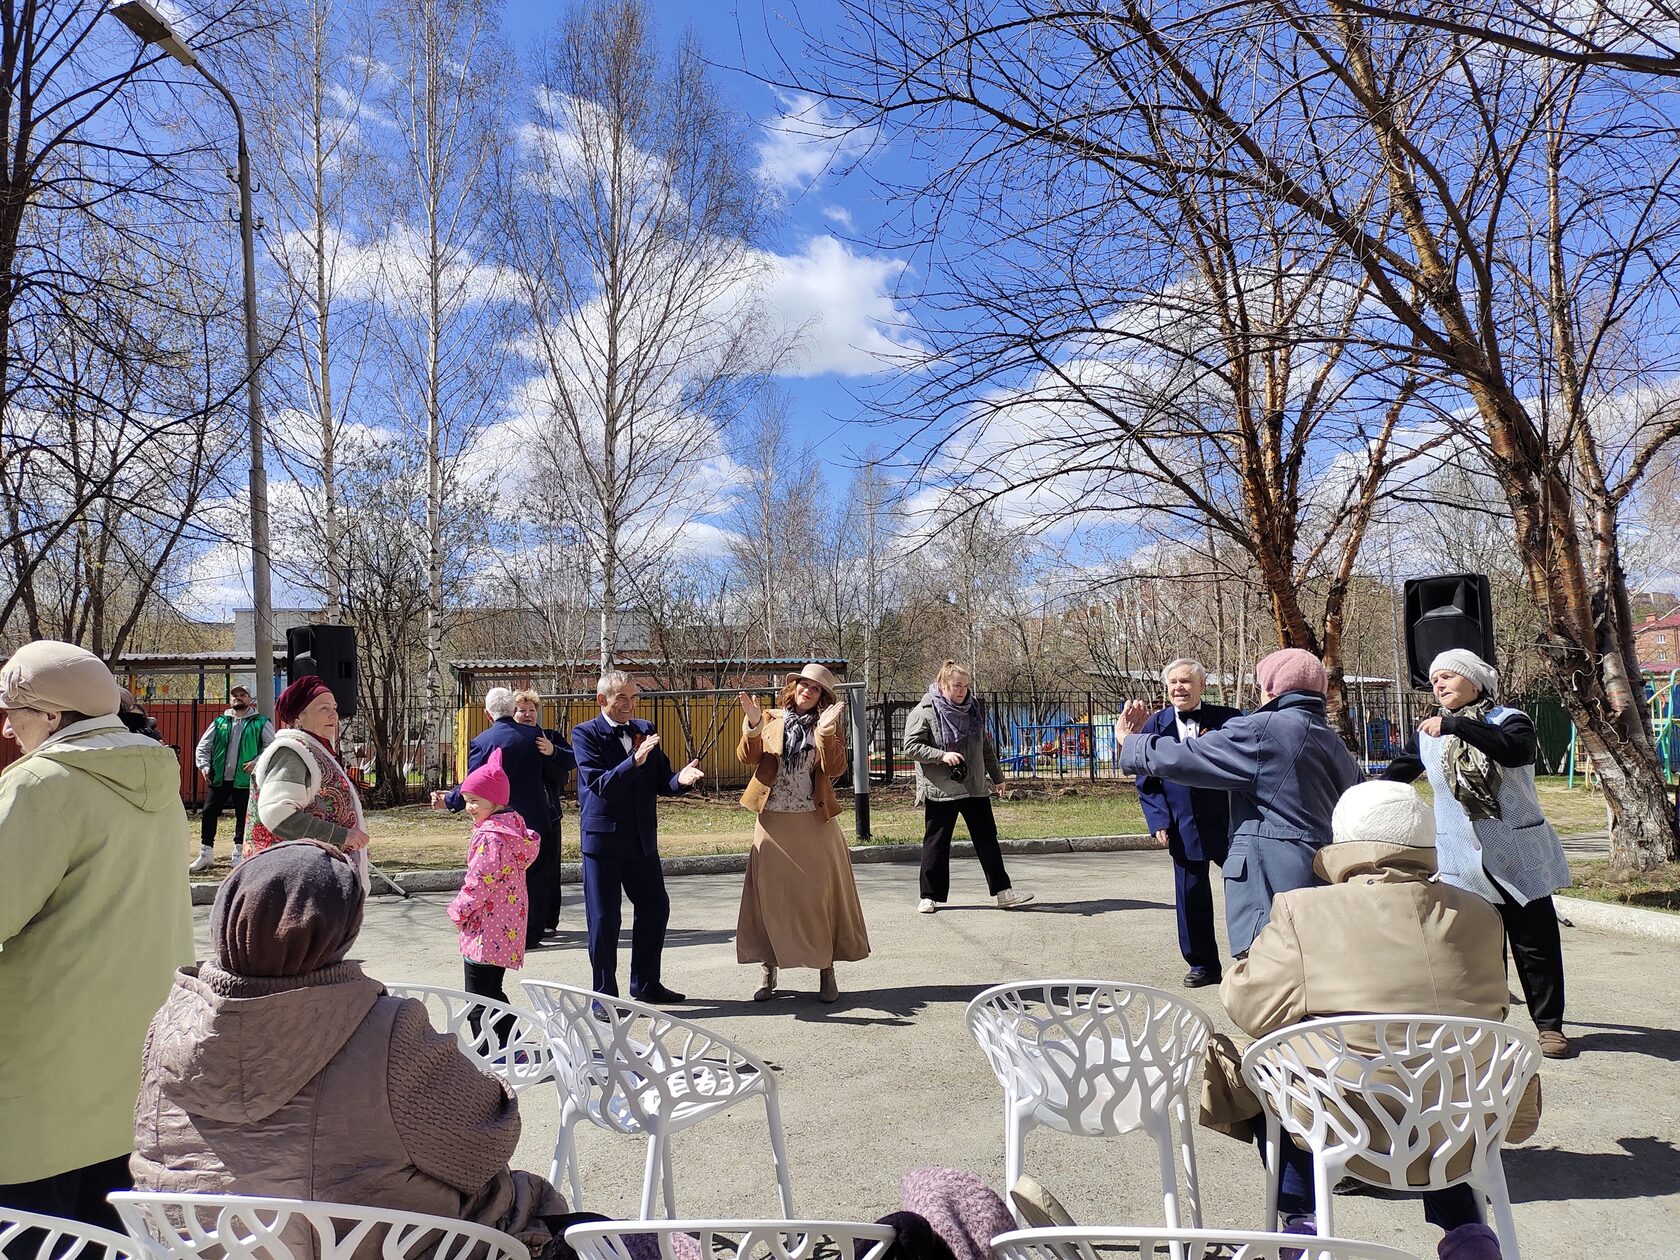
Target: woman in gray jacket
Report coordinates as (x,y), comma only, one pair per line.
(956,765)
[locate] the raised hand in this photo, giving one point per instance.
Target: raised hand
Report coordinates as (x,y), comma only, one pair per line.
(1132,718)
(751,709)
(1430,726)
(832,716)
(690,774)
(440,800)
(644,750)
(545,745)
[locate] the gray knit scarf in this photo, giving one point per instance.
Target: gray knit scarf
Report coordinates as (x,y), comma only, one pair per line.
(956,723)
(1472,776)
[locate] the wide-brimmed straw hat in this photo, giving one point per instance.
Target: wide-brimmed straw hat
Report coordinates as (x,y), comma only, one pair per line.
(820,675)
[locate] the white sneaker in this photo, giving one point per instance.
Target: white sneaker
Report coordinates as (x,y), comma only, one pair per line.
(201,862)
(927,905)
(1009,898)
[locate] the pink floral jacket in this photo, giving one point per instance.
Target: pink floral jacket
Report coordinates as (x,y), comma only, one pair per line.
(491,907)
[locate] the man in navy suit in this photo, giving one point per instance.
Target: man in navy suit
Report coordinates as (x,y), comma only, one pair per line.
(526,766)
(1193,824)
(622,773)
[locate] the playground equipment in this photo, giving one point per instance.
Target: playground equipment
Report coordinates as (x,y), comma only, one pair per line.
(1662,697)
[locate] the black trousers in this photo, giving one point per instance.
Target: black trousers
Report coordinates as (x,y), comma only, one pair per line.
(220,796)
(941,817)
(77,1195)
(485,981)
(551,920)
(1193,896)
(606,882)
(540,887)
(1446,1210)
(1536,946)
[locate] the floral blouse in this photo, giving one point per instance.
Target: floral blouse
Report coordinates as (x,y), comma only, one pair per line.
(491,907)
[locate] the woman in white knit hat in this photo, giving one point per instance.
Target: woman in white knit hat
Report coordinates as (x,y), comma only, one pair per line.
(1491,835)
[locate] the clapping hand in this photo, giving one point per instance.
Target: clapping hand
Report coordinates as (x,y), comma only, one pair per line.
(690,774)
(1132,718)
(644,750)
(751,709)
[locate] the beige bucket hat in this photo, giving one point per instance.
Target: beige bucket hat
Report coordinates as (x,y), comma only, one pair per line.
(820,675)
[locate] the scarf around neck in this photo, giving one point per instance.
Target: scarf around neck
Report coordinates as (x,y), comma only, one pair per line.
(956,723)
(1472,776)
(798,738)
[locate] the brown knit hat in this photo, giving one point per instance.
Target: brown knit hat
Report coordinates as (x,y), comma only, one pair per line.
(289,910)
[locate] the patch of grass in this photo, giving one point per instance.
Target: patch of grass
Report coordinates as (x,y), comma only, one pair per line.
(1651,890)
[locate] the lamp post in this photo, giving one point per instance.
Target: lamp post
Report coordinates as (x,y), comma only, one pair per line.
(153,28)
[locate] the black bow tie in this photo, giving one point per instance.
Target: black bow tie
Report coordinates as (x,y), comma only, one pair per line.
(1192,715)
(621,731)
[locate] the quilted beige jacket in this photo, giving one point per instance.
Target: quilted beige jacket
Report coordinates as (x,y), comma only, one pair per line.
(322,1087)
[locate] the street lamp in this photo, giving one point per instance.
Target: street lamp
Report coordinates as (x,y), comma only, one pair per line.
(153,28)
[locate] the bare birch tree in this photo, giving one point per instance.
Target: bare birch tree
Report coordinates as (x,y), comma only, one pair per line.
(446,100)
(633,214)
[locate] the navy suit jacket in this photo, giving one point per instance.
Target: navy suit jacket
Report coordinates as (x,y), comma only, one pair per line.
(1197,820)
(618,801)
(522,763)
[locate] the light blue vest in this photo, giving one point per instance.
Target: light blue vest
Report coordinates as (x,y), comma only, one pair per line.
(1519,848)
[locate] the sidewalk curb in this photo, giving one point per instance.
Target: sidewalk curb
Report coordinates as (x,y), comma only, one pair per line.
(204,891)
(1605,916)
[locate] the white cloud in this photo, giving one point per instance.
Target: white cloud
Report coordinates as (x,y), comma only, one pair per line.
(841,306)
(807,139)
(840,215)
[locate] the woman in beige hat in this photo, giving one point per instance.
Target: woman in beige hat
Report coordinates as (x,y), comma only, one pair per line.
(799,905)
(94,919)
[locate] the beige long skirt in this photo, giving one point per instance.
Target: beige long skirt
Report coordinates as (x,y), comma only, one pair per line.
(799,905)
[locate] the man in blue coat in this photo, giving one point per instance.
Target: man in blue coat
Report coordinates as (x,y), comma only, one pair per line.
(622,773)
(1284,769)
(526,766)
(1193,824)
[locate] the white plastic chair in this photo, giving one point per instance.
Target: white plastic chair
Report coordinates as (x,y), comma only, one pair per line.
(61,1239)
(644,1072)
(1149,1242)
(1391,1092)
(1095,1058)
(522,1061)
(236,1227)
(738,1240)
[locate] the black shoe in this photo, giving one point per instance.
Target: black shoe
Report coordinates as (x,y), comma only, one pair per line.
(659,995)
(1201,977)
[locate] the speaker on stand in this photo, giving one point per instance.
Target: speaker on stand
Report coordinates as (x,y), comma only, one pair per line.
(1453,610)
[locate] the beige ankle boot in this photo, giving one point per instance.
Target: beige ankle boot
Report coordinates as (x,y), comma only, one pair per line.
(766,984)
(828,991)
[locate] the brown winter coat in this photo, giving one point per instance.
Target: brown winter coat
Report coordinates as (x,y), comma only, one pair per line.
(322,1087)
(1385,937)
(762,750)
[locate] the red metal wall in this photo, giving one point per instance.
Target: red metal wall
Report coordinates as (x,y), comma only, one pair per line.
(180,722)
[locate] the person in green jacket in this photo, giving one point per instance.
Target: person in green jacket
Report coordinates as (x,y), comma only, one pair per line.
(225,754)
(94,919)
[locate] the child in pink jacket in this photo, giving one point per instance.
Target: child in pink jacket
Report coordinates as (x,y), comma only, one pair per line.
(491,907)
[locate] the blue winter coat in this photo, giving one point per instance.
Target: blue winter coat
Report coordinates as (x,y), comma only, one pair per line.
(1197,820)
(1285,769)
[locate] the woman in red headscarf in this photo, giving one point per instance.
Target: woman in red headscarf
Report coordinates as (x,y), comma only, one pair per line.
(299,791)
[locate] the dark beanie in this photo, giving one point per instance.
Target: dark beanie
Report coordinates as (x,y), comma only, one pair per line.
(289,910)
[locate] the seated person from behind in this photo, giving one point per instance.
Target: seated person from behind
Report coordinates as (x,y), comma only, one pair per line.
(1386,937)
(277,1068)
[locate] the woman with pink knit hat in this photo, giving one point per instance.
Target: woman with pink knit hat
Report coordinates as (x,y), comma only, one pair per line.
(492,906)
(1285,770)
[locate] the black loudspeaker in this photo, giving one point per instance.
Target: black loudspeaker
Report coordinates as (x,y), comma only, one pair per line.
(1454,610)
(329,652)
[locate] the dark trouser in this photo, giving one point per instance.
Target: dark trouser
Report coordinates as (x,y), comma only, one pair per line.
(1193,895)
(639,878)
(1537,948)
(485,981)
(1444,1209)
(77,1195)
(551,921)
(941,817)
(220,796)
(539,884)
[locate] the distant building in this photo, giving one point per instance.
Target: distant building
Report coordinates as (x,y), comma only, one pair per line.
(1657,643)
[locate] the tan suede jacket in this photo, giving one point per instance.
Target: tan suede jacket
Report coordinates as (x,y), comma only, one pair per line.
(762,750)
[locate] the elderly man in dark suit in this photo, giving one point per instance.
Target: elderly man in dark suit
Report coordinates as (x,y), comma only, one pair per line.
(1191,823)
(622,773)
(526,765)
